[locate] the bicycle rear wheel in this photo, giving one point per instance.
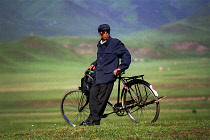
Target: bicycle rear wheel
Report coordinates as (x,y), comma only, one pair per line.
(74,107)
(141,102)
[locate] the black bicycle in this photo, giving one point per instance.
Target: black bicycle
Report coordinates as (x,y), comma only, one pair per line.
(137,99)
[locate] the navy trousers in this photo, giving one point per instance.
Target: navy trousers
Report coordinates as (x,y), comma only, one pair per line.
(98,98)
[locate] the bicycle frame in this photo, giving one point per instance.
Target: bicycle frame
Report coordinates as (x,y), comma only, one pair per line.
(124,81)
(118,106)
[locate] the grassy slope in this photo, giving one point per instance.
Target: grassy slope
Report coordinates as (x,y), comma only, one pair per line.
(161,39)
(183,30)
(34,54)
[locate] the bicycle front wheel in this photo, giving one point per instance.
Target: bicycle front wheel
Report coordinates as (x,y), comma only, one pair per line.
(141,102)
(74,107)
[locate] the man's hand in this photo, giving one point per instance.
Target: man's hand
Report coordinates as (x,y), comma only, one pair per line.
(91,67)
(116,70)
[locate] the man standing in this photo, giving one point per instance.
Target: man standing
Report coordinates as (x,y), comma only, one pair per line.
(106,66)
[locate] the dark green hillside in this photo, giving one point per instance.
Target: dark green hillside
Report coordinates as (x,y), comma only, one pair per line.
(188,37)
(192,29)
(35,53)
(20,18)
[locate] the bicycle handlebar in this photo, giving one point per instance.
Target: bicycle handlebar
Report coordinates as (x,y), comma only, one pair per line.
(121,72)
(88,72)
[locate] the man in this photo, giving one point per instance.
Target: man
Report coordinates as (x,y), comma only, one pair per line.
(106,66)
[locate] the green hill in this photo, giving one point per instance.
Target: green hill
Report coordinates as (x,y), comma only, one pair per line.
(34,53)
(184,38)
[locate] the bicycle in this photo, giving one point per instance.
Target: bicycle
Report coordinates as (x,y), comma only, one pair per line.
(139,100)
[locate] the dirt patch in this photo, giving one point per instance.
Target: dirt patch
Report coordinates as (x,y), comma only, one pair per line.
(83,48)
(35,103)
(174,29)
(204,98)
(86,49)
(144,52)
(189,46)
(32,41)
(87,45)
(190,85)
(65,45)
(36,44)
(45,103)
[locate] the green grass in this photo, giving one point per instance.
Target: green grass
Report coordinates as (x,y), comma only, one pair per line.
(171,125)
(30,100)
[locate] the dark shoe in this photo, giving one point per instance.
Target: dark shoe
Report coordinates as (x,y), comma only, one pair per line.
(96,122)
(85,123)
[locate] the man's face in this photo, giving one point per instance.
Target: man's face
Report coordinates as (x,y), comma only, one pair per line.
(104,34)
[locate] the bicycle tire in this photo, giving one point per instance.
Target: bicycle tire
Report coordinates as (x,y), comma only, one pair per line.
(74,107)
(141,102)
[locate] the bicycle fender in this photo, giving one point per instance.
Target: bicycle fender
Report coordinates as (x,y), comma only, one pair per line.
(153,89)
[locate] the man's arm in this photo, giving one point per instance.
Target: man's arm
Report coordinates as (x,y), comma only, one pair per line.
(124,54)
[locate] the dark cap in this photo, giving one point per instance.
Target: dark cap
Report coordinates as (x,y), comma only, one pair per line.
(103,27)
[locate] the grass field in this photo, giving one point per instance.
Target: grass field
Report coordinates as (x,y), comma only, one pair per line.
(30,102)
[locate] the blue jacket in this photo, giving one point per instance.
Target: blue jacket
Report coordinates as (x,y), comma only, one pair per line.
(107,60)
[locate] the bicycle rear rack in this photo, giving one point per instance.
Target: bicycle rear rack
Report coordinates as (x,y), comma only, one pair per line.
(133,77)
